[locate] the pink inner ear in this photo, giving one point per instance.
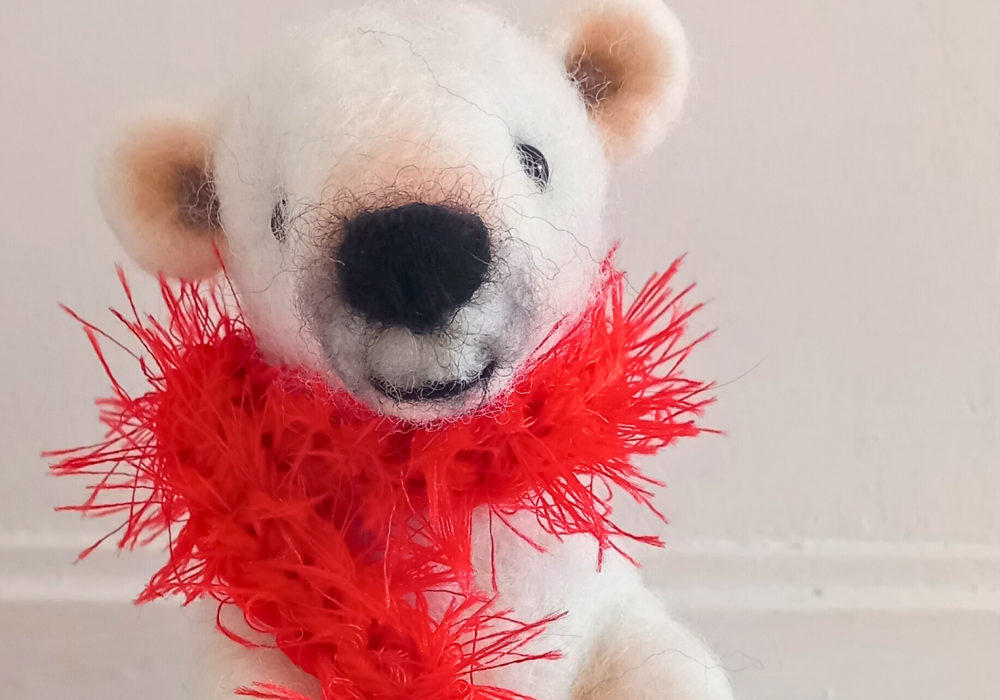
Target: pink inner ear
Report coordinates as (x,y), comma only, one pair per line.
(621,67)
(168,166)
(595,80)
(197,204)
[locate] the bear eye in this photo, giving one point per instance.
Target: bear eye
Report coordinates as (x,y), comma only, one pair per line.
(278,220)
(534,164)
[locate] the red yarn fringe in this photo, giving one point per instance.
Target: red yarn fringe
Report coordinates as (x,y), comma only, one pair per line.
(347,535)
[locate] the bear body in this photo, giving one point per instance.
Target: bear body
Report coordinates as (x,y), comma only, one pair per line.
(617,639)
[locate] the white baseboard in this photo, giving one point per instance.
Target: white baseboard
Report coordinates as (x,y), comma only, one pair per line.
(829,575)
(694,574)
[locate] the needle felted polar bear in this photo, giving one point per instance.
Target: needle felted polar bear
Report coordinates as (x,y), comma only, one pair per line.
(408,198)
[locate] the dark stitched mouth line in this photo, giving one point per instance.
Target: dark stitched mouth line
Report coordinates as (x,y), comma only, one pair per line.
(435,391)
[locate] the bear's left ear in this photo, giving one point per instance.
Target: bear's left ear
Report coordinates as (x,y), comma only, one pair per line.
(629,60)
(156,185)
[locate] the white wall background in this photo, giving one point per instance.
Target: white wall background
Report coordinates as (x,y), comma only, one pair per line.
(836,183)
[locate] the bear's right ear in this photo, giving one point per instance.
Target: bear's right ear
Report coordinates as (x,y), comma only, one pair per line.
(155,185)
(629,61)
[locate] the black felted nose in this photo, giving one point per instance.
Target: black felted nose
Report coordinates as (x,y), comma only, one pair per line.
(412,266)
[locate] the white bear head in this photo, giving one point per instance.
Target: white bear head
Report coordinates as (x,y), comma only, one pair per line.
(409,197)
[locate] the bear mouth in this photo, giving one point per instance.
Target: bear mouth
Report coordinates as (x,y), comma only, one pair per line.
(433,391)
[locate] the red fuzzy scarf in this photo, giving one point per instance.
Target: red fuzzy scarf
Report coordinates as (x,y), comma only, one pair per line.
(330,526)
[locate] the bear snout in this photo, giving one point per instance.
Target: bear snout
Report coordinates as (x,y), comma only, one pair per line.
(412,266)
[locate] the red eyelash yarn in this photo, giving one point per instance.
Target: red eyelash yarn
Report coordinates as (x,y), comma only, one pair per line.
(346,534)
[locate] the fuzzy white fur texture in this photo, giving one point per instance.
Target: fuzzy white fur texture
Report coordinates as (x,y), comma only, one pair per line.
(408,102)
